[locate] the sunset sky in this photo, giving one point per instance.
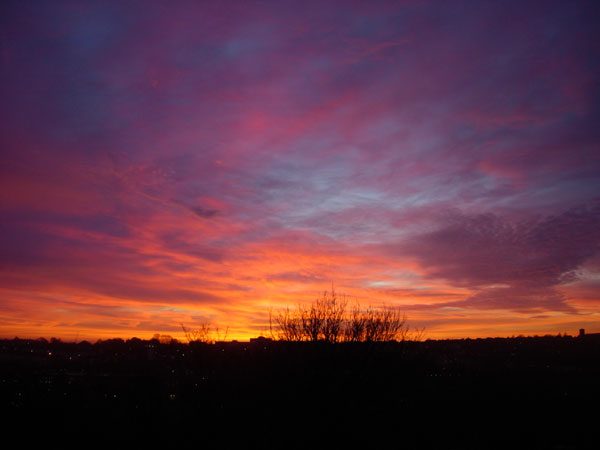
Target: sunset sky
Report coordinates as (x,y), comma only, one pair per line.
(193,162)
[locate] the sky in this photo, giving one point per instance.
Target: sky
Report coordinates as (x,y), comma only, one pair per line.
(167,163)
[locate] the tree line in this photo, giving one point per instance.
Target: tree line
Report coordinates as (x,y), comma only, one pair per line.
(329,318)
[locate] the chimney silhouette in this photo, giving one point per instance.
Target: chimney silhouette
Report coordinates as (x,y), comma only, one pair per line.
(581,332)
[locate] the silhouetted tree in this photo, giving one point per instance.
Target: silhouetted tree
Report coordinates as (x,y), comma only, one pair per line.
(327,319)
(334,308)
(205,333)
(200,334)
(324,318)
(287,324)
(385,324)
(354,331)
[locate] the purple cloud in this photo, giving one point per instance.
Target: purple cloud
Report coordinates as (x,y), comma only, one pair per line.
(515,265)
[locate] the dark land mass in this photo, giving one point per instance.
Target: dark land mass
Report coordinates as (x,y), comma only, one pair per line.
(540,392)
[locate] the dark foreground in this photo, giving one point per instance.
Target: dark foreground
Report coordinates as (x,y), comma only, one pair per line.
(492,393)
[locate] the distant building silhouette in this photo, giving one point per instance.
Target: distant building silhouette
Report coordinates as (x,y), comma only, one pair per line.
(260,340)
(589,336)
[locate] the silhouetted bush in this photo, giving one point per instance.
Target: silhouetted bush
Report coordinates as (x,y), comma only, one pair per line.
(327,319)
(205,333)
